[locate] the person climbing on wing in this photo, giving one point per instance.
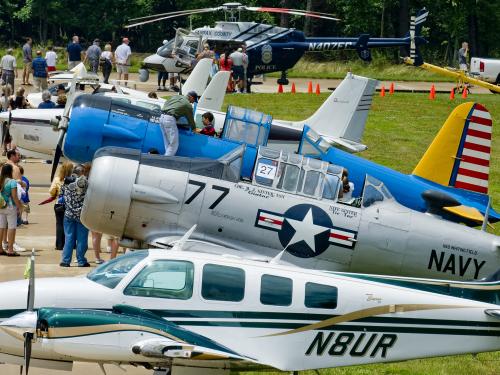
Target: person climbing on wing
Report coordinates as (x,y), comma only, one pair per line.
(176,112)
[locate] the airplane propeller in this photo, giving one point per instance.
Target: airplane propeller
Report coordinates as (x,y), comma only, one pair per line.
(230,8)
(60,123)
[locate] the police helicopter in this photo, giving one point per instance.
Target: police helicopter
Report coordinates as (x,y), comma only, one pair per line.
(269,48)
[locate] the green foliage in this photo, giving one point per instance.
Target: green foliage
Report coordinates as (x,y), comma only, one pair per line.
(449,23)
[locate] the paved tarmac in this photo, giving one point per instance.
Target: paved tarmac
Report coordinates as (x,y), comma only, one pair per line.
(40,234)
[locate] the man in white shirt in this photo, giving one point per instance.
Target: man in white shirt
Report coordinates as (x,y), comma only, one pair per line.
(51,58)
(8,68)
(122,57)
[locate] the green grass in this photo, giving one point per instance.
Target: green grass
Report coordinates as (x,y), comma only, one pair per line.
(378,69)
(398,131)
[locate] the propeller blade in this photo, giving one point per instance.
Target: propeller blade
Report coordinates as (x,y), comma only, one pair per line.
(296,12)
(28,337)
(31,284)
(187,13)
(57,154)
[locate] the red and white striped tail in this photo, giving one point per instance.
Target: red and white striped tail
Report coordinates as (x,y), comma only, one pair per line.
(474,167)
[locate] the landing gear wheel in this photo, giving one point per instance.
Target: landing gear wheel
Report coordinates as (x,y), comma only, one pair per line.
(283,80)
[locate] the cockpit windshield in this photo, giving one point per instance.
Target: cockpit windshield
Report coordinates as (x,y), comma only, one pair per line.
(374,191)
(111,273)
(166,49)
(312,144)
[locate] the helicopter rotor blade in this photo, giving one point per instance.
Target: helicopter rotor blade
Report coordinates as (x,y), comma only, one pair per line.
(177,12)
(186,13)
(296,12)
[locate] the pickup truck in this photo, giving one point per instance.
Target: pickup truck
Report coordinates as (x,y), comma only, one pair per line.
(486,69)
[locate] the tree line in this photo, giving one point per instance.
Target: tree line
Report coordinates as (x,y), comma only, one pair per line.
(450,21)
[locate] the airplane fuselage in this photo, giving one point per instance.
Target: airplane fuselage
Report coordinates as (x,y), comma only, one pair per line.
(317,232)
(314,320)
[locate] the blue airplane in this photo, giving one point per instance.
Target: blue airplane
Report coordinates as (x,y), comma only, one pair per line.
(450,180)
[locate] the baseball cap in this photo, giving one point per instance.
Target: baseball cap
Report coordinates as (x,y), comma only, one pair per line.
(194,95)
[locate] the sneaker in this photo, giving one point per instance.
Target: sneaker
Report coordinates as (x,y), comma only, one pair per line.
(84,265)
(62,264)
(75,261)
(5,245)
(158,89)
(108,249)
(18,249)
(164,88)
(99,261)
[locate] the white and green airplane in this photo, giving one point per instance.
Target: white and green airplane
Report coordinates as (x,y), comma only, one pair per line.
(183,310)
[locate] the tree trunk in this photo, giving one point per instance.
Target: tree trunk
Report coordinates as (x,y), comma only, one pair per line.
(474,47)
(404,23)
(308,21)
(285,18)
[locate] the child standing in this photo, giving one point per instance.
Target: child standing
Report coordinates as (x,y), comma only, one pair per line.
(25,197)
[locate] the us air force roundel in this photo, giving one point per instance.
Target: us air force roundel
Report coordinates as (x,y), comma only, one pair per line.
(305,230)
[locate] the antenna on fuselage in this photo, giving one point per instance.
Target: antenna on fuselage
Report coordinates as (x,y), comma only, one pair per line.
(277,258)
(179,245)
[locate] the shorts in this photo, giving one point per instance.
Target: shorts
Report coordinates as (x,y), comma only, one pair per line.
(28,66)
(463,67)
(51,68)
(238,73)
(8,217)
(121,68)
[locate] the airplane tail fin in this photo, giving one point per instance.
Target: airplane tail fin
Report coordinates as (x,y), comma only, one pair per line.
(415,34)
(198,79)
(342,117)
(213,96)
(459,156)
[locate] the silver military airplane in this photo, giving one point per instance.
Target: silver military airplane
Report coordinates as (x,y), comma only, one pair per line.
(183,312)
(291,202)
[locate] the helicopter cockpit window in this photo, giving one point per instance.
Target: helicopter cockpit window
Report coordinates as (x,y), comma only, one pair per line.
(374,191)
(166,49)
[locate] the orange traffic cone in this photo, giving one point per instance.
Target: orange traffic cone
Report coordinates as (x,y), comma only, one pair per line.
(452,94)
(464,93)
(382,91)
(293,88)
(310,88)
(280,89)
(317,89)
(432,94)
(391,90)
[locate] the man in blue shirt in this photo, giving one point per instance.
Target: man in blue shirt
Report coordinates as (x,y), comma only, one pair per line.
(74,53)
(40,71)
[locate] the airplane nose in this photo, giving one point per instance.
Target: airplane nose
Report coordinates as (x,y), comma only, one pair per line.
(19,324)
(106,208)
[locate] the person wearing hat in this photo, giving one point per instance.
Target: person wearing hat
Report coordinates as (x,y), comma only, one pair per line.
(8,68)
(122,57)
(175,111)
(40,71)
(92,56)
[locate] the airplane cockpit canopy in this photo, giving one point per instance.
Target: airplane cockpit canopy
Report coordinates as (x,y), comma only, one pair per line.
(246,126)
(297,174)
(374,191)
(166,49)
